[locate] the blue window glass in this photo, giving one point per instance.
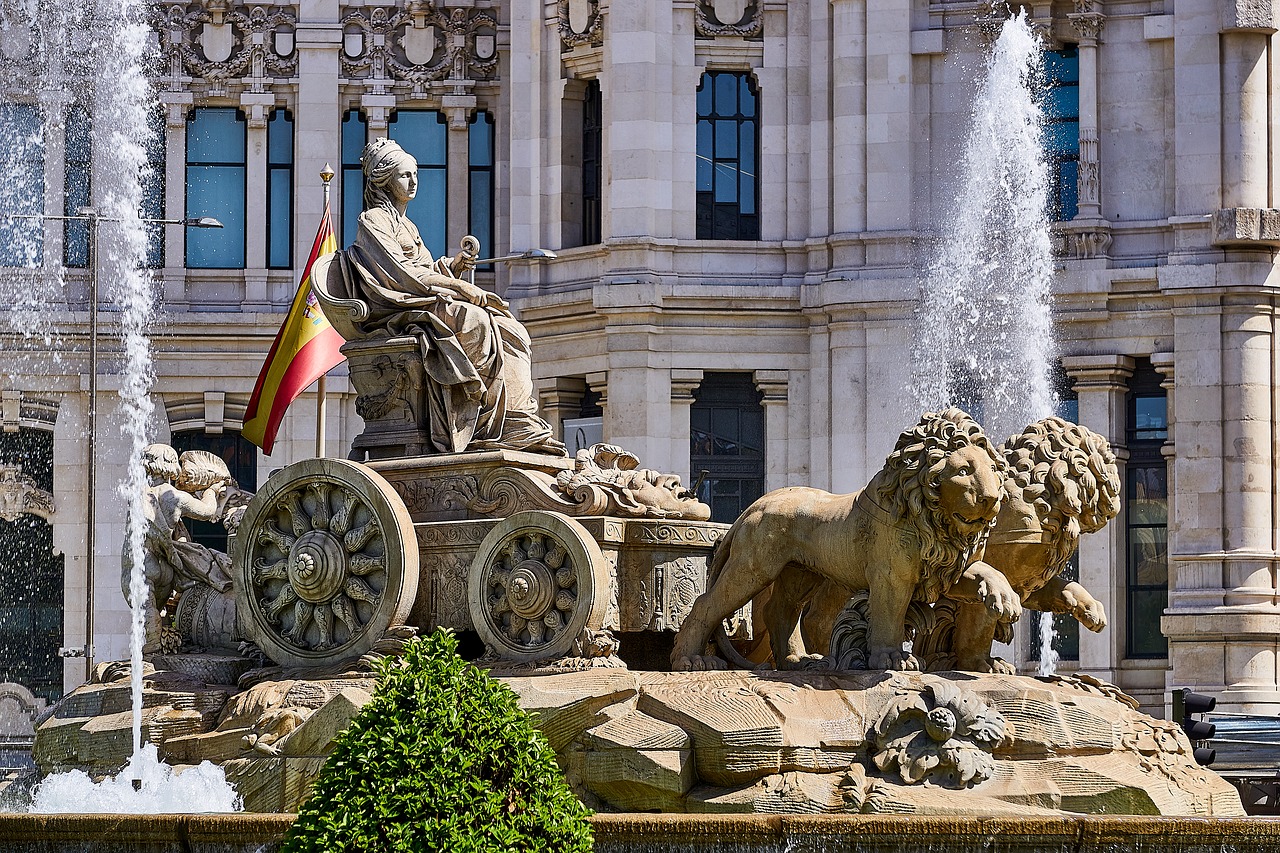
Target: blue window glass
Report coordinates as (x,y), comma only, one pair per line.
(727,141)
(216,187)
(592,164)
(354,132)
(1146,513)
(78,187)
(153,190)
(280,190)
(22,240)
(480,147)
(1060,102)
(424,134)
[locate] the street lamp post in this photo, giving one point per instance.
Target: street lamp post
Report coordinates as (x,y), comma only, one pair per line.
(93,218)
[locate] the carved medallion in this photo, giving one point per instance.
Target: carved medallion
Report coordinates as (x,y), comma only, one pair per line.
(579,23)
(419,44)
(742,18)
(580,12)
(729,12)
(217,41)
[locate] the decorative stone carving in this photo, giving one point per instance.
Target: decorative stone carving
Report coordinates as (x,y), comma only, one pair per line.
(1081,240)
(420,44)
(217,43)
(21,494)
(941,734)
(326,563)
(1089,182)
(626,488)
(742,18)
(918,523)
(579,23)
(538,581)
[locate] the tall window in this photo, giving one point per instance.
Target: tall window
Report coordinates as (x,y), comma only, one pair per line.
(153,190)
(424,134)
(78,186)
(31,577)
(216,187)
(280,190)
(728,150)
(726,441)
(1146,510)
(242,461)
(1062,129)
(22,159)
(480,209)
(592,159)
(354,132)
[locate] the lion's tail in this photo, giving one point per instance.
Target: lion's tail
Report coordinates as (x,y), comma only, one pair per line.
(718,560)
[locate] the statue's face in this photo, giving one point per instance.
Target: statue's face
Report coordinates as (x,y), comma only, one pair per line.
(404,182)
(970,487)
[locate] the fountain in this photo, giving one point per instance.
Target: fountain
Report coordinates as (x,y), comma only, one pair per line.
(548,559)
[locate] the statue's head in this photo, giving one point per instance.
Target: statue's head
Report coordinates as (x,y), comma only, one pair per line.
(383,160)
(161,460)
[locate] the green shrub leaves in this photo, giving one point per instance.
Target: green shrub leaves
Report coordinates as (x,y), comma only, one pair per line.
(441,759)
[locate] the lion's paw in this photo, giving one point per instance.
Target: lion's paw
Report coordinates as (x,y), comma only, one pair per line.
(985,663)
(808,662)
(1091,615)
(698,663)
(896,659)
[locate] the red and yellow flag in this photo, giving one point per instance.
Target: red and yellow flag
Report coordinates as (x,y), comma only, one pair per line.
(305,348)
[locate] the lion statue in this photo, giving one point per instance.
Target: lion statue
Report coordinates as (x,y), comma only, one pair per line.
(914,532)
(1062,483)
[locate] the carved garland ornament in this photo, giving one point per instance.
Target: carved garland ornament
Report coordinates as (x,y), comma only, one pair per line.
(941,734)
(419,44)
(580,23)
(326,561)
(217,43)
(740,18)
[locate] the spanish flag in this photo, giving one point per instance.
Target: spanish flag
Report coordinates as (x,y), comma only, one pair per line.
(305,348)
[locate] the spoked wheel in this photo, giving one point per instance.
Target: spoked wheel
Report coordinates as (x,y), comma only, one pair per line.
(538,579)
(326,560)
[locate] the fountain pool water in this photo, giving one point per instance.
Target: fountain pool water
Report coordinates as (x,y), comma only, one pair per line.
(104,49)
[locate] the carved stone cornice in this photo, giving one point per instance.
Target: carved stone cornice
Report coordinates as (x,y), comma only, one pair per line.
(580,23)
(1081,240)
(20,494)
(710,18)
(421,45)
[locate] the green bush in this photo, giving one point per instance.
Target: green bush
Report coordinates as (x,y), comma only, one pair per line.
(440,759)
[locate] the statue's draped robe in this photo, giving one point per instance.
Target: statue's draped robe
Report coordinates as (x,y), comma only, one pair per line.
(479,388)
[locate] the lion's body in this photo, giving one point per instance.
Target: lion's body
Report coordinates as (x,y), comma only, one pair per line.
(909,534)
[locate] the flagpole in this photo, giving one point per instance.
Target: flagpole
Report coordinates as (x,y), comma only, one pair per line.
(326,175)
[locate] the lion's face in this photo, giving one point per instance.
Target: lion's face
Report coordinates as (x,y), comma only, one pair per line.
(970,486)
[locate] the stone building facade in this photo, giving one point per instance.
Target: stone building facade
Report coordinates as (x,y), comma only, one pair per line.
(739,195)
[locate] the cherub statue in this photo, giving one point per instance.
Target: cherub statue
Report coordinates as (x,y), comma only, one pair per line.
(197,487)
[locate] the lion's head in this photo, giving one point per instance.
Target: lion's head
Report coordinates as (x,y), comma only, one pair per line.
(1068,474)
(945,480)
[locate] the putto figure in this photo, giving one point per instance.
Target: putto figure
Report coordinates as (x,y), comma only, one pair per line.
(171,561)
(471,385)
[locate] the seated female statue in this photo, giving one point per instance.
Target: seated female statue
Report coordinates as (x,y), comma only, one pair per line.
(475,354)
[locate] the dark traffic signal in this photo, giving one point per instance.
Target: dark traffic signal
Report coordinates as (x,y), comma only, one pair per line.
(1186,704)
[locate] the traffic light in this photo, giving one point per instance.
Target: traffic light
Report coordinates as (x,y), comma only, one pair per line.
(1185,705)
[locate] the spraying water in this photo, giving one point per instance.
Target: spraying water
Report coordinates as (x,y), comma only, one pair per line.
(100,50)
(984,334)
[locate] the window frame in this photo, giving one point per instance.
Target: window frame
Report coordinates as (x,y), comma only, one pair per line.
(712,217)
(352,177)
(242,164)
(1056,158)
(280,171)
(1145,454)
(592,164)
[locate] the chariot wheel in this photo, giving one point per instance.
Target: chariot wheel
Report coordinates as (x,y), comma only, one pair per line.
(537,580)
(325,561)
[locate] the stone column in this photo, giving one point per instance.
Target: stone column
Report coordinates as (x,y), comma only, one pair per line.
(176,106)
(772,385)
(888,110)
(1100,383)
(257,110)
(848,395)
(317,135)
(684,381)
(560,397)
(849,115)
(1088,20)
(1244,118)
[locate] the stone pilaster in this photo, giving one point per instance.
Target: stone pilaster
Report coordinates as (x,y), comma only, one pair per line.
(319,39)
(1087,21)
(684,381)
(1100,383)
(849,115)
(257,110)
(560,397)
(773,386)
(176,106)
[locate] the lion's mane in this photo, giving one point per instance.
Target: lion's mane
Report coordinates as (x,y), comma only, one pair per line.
(912,492)
(1068,474)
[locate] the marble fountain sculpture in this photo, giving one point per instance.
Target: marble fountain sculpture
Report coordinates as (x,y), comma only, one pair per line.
(466,514)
